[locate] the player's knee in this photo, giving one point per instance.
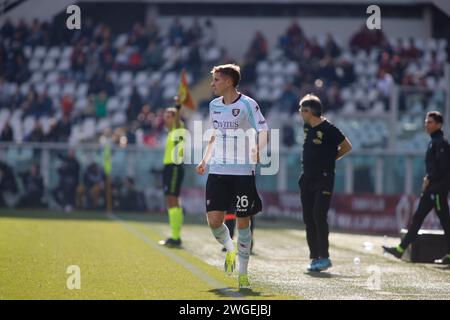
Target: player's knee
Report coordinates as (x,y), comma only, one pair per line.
(214,222)
(243,223)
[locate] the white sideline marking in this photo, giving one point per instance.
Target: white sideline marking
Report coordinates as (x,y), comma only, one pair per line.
(180,260)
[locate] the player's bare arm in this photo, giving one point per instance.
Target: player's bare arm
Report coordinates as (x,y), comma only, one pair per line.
(344,148)
(201,167)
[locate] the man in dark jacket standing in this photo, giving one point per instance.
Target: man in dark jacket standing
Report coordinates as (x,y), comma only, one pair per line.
(436,185)
(69,172)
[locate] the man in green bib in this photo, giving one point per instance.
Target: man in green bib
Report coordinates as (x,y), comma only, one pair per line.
(173,173)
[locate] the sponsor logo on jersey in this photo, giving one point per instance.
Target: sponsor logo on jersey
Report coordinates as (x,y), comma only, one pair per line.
(217,112)
(225,124)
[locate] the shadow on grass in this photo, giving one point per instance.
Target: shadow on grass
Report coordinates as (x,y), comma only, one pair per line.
(94,215)
(242,293)
(327,275)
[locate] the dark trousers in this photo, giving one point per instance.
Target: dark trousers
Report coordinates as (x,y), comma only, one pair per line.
(315,194)
(428,201)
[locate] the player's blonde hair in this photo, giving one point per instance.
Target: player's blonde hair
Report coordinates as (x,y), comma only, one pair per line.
(231,70)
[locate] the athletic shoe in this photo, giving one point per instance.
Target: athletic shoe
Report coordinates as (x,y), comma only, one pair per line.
(310,265)
(171,243)
(394,251)
(230,261)
(444,260)
(321,264)
(243,282)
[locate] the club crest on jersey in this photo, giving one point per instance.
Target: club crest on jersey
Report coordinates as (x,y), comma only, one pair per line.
(235,112)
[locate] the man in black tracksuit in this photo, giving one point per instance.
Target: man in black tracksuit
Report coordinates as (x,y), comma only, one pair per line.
(323,145)
(435,188)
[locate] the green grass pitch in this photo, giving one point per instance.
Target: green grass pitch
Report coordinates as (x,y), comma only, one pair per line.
(119,258)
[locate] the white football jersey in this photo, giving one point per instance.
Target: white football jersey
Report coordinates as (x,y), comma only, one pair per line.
(235,128)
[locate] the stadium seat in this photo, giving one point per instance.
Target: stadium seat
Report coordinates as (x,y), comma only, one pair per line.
(67,52)
(37,77)
(54,90)
(39,52)
(82,90)
(69,89)
(24,88)
(141,78)
(88,129)
(263,68)
(170,79)
(118,119)
(52,77)
(64,64)
(28,125)
(54,53)
(155,76)
(169,93)
(40,87)
(126,78)
(48,64)
(34,64)
(143,90)
(103,124)
(125,92)
(112,104)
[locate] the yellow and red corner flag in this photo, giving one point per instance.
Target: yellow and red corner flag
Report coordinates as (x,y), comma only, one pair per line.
(184,95)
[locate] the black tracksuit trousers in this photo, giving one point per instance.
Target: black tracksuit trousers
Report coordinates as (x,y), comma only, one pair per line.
(315,194)
(428,201)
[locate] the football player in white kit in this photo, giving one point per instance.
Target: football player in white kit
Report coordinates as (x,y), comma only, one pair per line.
(231,179)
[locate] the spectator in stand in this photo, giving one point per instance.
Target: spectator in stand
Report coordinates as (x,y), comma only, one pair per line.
(152,30)
(68,172)
(64,129)
(176,32)
(384,85)
(313,50)
(89,193)
(100,102)
(29,106)
(37,134)
(130,198)
(106,56)
(78,62)
(195,32)
(145,119)
(334,99)
(135,61)
(155,95)
(327,70)
(209,34)
(331,48)
(249,71)
(258,47)
(7,182)
(7,134)
(33,184)
(134,106)
(44,105)
(137,37)
(121,61)
(109,86)
(288,101)
(67,105)
(435,67)
(411,51)
(153,56)
(53,134)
